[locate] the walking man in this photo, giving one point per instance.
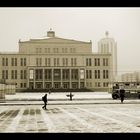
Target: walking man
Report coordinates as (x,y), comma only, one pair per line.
(44,98)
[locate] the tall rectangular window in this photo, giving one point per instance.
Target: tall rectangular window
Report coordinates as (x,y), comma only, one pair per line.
(24,61)
(58,62)
(25,74)
(21,74)
(3,74)
(3,61)
(38,61)
(12,61)
(71,61)
(48,74)
(75,62)
(97,61)
(6,74)
(54,61)
(47,61)
(21,61)
(74,74)
(97,74)
(105,74)
(105,62)
(15,61)
(66,61)
(6,61)
(88,62)
(14,74)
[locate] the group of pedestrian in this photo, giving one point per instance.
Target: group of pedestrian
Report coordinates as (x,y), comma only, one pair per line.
(45,99)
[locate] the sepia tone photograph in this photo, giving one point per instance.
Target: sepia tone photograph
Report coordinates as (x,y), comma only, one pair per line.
(69,70)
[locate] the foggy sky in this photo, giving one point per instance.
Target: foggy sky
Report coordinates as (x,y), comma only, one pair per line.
(83,24)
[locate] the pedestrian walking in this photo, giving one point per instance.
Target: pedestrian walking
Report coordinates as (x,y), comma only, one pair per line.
(122,94)
(44,99)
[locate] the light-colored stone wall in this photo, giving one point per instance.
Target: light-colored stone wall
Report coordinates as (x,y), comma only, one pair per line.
(82,51)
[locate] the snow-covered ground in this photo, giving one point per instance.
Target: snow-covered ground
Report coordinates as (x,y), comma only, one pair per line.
(104,118)
(60,95)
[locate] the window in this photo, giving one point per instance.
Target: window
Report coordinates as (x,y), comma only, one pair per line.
(57,74)
(105,61)
(55,50)
(13,74)
(65,50)
(105,74)
(21,85)
(38,61)
(24,85)
(75,62)
(38,50)
(4,74)
(97,84)
(105,84)
(97,62)
(21,74)
(65,61)
(88,61)
(47,61)
(38,74)
(74,74)
(48,74)
(21,61)
(47,50)
(57,61)
(4,61)
(13,61)
(24,61)
(97,74)
(71,61)
(54,61)
(65,74)
(25,74)
(89,74)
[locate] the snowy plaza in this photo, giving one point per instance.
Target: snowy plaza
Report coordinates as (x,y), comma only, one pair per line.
(99,114)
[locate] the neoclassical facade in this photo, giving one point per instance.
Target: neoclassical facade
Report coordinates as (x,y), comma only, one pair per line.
(56,63)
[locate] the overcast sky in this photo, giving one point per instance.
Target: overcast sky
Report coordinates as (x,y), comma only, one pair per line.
(83,24)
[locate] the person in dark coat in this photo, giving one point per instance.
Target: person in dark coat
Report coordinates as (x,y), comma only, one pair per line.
(71,95)
(44,98)
(122,94)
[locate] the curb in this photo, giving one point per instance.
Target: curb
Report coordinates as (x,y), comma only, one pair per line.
(91,103)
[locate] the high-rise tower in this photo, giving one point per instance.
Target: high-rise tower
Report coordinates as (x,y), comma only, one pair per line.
(109,45)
